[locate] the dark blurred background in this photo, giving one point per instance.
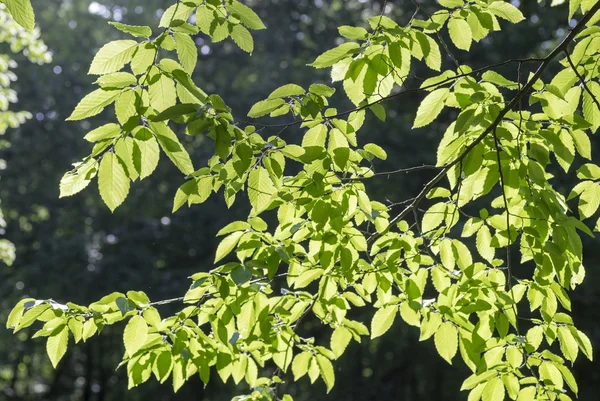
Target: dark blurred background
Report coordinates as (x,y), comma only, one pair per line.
(74,249)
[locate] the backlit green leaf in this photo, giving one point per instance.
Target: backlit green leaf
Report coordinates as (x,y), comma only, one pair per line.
(446,341)
(383,320)
(112,57)
(112,181)
(56,346)
(135,334)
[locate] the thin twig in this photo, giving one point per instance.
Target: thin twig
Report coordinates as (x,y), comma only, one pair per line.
(582,79)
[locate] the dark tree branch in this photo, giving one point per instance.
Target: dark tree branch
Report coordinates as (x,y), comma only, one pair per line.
(582,79)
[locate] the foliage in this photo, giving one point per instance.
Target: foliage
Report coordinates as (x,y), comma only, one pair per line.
(334,248)
(19,40)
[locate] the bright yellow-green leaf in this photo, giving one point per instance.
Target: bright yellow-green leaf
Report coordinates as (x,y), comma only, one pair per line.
(145,153)
(112,181)
(265,107)
(527,394)
(125,106)
(75,181)
(260,189)
(186,51)
(242,37)
(134,30)
(162,93)
(301,364)
(550,374)
(245,14)
(339,340)
(446,341)
(589,201)
(112,57)
(135,334)
(493,391)
(326,369)
(93,104)
(170,144)
(22,12)
(568,345)
(431,107)
(56,346)
(383,320)
(484,243)
(143,58)
(504,9)
(460,33)
(227,245)
(332,56)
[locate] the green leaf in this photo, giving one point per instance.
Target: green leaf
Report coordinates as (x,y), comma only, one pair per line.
(22,12)
(550,374)
(186,51)
(265,107)
(112,57)
(112,181)
(145,153)
(242,37)
(497,79)
(116,80)
(106,131)
(326,369)
(93,103)
(431,107)
(245,14)
(175,14)
(484,243)
(125,106)
(143,58)
(568,345)
(124,151)
(332,56)
(163,365)
(527,394)
(451,3)
(353,32)
(287,91)
(431,322)
(162,93)
(493,391)
(301,364)
(506,10)
(56,346)
(460,33)
(383,320)
(446,341)
(589,201)
(233,227)
(569,379)
(584,343)
(260,189)
(135,334)
(227,245)
(134,30)
(376,151)
(170,144)
(339,340)
(475,379)
(17,312)
(75,181)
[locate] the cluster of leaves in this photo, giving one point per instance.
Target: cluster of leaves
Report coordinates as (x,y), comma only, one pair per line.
(333,247)
(30,45)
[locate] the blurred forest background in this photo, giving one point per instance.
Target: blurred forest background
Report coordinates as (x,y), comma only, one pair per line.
(74,249)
